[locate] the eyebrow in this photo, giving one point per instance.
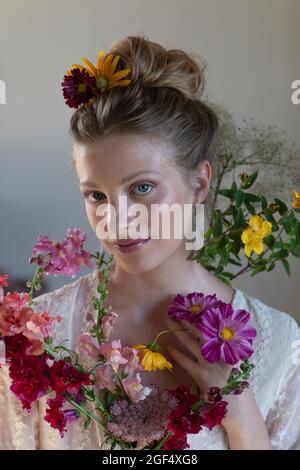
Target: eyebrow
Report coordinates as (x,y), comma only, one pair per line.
(124,180)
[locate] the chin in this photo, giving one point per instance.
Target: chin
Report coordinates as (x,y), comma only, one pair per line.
(147,259)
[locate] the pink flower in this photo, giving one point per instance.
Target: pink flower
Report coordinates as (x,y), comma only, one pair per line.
(227,334)
(192,306)
(134,389)
(88,350)
(3,283)
(17,317)
(64,257)
(105,378)
(133,365)
(113,354)
(108,323)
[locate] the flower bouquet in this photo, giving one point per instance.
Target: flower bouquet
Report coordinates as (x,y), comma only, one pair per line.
(101,380)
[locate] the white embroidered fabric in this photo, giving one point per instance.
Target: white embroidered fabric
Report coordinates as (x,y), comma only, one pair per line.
(275,378)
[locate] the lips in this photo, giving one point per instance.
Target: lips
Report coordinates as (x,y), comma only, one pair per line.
(129,242)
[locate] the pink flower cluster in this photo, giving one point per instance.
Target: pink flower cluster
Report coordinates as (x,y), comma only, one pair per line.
(33,372)
(17,318)
(123,361)
(64,257)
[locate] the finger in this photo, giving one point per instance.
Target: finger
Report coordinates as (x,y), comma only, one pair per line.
(196,332)
(185,362)
(188,340)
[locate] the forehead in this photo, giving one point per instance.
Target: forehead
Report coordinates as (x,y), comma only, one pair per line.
(120,154)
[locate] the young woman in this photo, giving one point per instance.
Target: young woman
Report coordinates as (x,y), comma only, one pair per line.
(153,142)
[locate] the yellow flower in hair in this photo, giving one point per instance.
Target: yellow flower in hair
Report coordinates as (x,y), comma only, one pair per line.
(296,200)
(104,72)
(150,358)
(253,235)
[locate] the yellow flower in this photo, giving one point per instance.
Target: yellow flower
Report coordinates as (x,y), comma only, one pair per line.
(253,235)
(151,360)
(104,73)
(296,201)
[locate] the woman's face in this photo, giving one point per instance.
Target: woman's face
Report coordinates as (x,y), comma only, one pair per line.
(108,169)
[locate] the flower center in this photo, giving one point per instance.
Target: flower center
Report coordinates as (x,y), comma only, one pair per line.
(227,333)
(81,88)
(195,309)
(102,83)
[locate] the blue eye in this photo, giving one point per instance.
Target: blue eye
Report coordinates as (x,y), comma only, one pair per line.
(143,188)
(97,199)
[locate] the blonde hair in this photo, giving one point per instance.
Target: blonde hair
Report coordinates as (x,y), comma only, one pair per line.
(164,99)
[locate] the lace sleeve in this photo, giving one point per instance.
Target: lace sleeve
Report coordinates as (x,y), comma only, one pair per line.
(283,419)
(19,430)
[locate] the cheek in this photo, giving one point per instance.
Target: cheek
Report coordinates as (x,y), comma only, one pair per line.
(91,215)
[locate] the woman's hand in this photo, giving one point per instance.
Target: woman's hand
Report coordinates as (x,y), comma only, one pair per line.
(243,422)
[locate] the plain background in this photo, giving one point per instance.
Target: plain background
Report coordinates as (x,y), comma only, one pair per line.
(253,52)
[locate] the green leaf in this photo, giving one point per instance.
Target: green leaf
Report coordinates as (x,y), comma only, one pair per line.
(271,266)
(239,219)
(217,224)
(250,180)
(234,262)
(252,197)
(271,219)
(296,252)
(239,198)
(258,269)
(281,254)
(297,230)
(250,208)
(282,209)
(286,266)
(264,203)
(233,188)
(225,192)
(269,240)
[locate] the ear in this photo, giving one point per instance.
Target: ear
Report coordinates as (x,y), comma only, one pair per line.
(200,181)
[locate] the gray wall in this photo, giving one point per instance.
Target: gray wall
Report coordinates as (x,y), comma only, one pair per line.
(252,49)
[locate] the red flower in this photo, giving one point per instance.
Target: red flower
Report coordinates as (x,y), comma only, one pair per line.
(172,443)
(66,378)
(182,421)
(30,380)
(16,345)
(211,414)
(184,395)
(56,416)
(78,88)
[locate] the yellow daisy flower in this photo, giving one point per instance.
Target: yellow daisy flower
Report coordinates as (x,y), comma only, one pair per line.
(253,235)
(104,72)
(296,201)
(151,360)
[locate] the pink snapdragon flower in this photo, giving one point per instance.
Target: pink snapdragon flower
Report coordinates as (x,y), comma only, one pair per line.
(64,257)
(113,354)
(17,317)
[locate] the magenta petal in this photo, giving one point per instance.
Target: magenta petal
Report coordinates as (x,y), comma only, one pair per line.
(229,354)
(211,351)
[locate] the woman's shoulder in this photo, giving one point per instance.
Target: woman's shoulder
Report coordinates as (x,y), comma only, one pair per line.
(276,342)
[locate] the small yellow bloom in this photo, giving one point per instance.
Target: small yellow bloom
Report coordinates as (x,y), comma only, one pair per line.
(253,235)
(296,201)
(151,360)
(104,72)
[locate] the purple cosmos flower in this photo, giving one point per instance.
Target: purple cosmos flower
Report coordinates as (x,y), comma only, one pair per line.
(227,334)
(78,87)
(192,306)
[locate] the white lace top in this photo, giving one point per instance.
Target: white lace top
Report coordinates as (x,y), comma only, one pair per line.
(275,378)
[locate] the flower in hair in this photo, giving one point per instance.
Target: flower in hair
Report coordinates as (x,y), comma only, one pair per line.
(82,83)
